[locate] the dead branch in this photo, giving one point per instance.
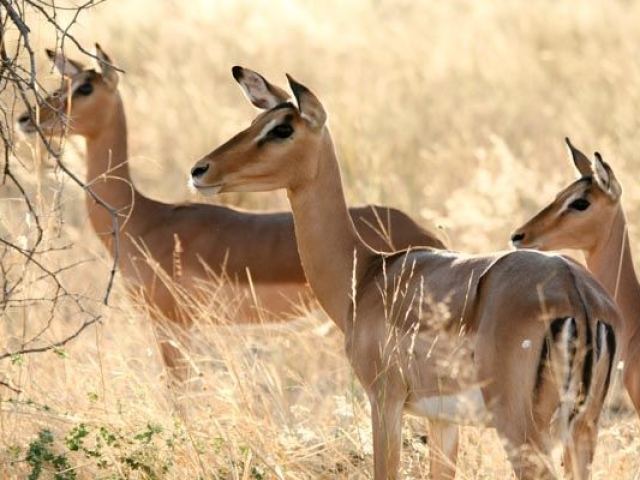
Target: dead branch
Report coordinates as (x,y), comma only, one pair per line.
(31,257)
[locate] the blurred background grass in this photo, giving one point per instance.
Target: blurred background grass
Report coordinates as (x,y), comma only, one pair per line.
(453,111)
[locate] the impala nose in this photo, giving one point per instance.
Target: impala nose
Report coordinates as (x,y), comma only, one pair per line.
(517,238)
(199,170)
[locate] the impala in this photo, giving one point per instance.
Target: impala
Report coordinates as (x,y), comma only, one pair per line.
(519,339)
(587,215)
(257,253)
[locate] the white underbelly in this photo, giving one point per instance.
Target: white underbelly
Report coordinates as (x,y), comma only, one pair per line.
(466,408)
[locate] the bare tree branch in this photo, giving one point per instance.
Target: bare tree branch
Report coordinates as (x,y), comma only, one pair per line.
(55,345)
(10,387)
(34,263)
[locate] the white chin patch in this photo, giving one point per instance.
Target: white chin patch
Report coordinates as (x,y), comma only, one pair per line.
(209,191)
(203,189)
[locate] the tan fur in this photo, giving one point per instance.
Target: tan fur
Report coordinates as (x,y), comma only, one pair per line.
(601,232)
(425,324)
(215,240)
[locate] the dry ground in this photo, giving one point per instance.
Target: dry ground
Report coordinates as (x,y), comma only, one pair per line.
(453,111)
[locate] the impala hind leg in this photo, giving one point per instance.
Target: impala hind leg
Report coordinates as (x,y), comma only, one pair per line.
(443,451)
(630,378)
(580,448)
(578,453)
(530,463)
(386,419)
(528,450)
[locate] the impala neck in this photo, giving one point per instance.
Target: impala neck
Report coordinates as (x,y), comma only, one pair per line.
(611,262)
(327,240)
(108,171)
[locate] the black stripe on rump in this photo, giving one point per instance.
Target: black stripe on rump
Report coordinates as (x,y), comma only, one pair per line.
(610,339)
(545,353)
(587,372)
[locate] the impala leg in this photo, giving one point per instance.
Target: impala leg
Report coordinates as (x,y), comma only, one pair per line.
(174,341)
(387,438)
(443,449)
(174,360)
(579,450)
(581,446)
(630,376)
(578,453)
(530,464)
(528,452)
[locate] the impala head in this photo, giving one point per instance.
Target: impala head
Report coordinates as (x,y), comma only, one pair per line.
(273,152)
(82,105)
(579,214)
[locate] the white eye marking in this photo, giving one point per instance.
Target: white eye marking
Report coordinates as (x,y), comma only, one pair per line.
(526,344)
(569,201)
(76,83)
(266,129)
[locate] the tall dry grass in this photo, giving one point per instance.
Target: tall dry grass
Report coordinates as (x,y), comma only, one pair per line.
(453,111)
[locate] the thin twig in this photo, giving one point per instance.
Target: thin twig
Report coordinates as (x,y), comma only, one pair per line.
(10,387)
(26,260)
(53,346)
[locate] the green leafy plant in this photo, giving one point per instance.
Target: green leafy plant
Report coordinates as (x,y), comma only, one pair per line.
(42,455)
(147,452)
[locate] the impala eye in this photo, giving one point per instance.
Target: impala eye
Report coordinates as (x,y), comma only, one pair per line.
(580,204)
(84,89)
(284,130)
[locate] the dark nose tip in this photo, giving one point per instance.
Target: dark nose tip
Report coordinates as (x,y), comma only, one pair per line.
(199,170)
(24,118)
(517,237)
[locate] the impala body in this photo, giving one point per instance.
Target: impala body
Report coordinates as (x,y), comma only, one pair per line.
(587,215)
(519,340)
(165,249)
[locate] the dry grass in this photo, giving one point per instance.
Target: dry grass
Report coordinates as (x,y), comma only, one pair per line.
(453,111)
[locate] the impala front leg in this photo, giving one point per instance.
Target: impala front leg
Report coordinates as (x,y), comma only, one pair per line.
(174,341)
(387,438)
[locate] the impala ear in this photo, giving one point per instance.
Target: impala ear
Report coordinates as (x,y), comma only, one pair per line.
(580,160)
(66,67)
(109,74)
(258,90)
(606,179)
(310,107)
